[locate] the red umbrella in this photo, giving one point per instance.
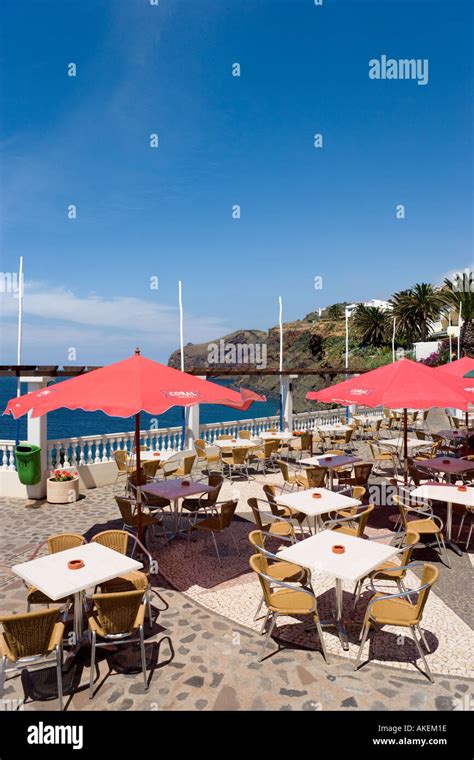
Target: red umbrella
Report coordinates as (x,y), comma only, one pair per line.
(459,369)
(127,388)
(402,384)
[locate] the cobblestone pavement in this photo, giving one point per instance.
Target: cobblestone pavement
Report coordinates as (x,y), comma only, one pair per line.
(202,650)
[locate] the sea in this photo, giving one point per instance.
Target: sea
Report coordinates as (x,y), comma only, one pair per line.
(66,423)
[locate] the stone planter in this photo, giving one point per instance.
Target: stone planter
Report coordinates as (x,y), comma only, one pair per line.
(62,491)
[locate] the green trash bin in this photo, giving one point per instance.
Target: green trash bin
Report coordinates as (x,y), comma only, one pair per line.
(28,463)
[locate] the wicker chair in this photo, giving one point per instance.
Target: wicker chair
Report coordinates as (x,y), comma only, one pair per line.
(137,580)
(352,524)
(426,524)
(30,639)
(148,521)
(398,610)
(58,543)
(265,455)
(205,504)
(286,512)
(290,476)
(390,570)
(123,469)
(276,568)
(312,477)
(245,434)
(237,460)
(269,523)
(284,599)
(359,477)
(116,618)
(186,467)
(216,524)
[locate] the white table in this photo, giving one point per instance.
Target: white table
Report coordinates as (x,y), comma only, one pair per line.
(360,558)
(367,419)
(280,436)
(304,502)
(397,443)
(331,429)
(150,456)
(51,575)
(237,443)
(331,462)
(449,494)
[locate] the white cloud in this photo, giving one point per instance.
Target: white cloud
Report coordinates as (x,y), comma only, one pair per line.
(100,328)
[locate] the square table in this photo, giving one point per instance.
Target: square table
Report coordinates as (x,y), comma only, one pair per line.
(174,490)
(397,443)
(280,436)
(331,461)
(449,465)
(237,443)
(152,456)
(360,558)
(304,502)
(449,494)
(51,575)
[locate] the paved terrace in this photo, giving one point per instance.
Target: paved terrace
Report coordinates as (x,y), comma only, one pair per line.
(203,647)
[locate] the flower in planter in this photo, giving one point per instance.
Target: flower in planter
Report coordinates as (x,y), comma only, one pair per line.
(61,475)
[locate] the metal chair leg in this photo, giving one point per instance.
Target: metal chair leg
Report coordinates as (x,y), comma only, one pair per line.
(259,607)
(362,644)
(262,630)
(234,541)
(461,526)
(423,637)
(2,675)
(91,681)
(268,636)
(142,649)
(421,653)
(216,548)
(320,634)
(59,674)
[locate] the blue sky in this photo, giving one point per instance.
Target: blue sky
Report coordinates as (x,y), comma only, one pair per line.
(224,140)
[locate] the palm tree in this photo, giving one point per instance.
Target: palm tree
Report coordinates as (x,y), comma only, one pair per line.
(461,298)
(416,309)
(371,325)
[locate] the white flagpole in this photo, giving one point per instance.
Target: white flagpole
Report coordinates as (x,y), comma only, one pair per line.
(181,343)
(450,337)
(20,335)
(280,320)
(393,338)
(181,328)
(459,334)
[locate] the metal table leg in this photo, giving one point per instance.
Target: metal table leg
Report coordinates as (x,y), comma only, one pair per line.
(339,621)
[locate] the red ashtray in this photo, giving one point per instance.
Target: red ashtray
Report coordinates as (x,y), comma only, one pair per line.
(157,454)
(273,433)
(446,461)
(75,564)
(234,440)
(185,483)
(462,488)
(338,549)
(316,495)
(328,459)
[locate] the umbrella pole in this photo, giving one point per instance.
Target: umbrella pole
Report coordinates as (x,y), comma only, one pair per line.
(138,466)
(467,432)
(405,446)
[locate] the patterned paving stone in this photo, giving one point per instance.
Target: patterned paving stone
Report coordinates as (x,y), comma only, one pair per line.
(208,656)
